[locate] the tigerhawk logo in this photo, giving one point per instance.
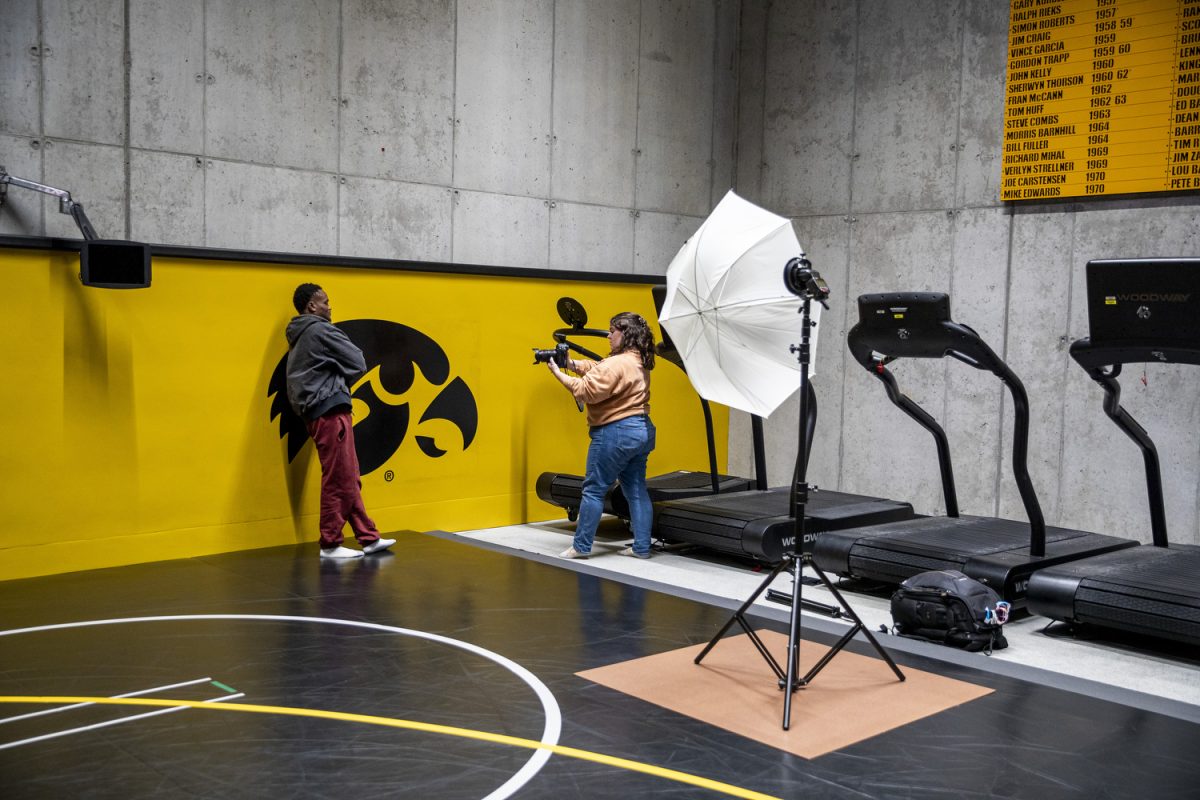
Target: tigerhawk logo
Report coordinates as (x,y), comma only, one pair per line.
(394,354)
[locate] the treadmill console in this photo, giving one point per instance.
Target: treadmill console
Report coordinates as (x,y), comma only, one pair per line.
(903,309)
(1151,299)
(571,312)
(1141,310)
(902,324)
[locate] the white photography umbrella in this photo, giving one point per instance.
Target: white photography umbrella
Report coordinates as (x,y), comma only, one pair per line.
(729,312)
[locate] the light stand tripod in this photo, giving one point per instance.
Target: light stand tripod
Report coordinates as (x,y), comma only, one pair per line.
(804,282)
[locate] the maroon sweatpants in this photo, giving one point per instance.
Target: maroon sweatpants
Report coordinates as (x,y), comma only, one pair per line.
(341,489)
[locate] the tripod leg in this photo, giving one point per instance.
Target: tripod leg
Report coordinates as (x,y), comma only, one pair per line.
(790,683)
(738,617)
(858,626)
(761,647)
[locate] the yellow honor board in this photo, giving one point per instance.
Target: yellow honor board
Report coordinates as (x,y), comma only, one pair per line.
(144,424)
(1102,98)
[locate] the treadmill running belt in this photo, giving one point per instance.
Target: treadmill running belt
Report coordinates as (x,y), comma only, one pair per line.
(1148,590)
(758,524)
(960,538)
(565,490)
(994,551)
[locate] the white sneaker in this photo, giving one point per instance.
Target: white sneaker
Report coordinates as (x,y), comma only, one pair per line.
(378,546)
(629,551)
(341,552)
(571,552)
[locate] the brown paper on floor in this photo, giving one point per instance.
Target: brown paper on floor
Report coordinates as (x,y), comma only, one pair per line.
(853,698)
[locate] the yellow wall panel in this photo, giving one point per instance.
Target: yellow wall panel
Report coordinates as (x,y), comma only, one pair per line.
(138,422)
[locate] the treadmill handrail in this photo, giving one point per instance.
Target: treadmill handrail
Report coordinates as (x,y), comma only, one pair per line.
(581,332)
(947,338)
(1095,362)
(665,350)
(926,421)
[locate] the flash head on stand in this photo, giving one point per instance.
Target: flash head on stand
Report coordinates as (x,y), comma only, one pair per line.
(803,281)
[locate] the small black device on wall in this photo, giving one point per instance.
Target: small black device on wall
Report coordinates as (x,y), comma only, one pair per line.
(114,264)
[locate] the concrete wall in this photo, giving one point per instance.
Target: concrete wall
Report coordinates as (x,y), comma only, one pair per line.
(570,134)
(877,126)
(596,135)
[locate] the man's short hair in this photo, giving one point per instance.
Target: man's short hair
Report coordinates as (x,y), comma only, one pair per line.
(303,294)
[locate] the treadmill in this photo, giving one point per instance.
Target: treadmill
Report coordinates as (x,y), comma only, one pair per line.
(1139,311)
(1000,553)
(566,490)
(758,524)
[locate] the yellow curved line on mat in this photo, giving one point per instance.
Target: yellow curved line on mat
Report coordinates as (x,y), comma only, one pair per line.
(388,722)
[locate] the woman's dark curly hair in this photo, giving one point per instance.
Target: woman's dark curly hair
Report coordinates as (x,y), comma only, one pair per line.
(635,335)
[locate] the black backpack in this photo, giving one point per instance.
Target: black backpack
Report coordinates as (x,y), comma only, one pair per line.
(947,607)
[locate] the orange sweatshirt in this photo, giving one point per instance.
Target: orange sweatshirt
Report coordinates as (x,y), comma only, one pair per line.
(615,388)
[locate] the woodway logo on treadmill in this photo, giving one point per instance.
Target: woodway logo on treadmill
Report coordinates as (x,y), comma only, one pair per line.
(1155,297)
(398,352)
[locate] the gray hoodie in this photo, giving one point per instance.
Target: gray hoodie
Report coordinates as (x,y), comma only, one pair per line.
(321,365)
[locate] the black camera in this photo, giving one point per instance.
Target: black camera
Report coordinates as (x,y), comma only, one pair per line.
(559,355)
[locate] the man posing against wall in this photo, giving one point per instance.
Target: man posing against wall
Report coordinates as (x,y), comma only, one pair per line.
(321,365)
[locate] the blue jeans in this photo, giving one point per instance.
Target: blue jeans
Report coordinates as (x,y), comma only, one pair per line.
(618,452)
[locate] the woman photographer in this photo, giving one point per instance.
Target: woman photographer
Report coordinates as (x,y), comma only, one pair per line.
(617,393)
